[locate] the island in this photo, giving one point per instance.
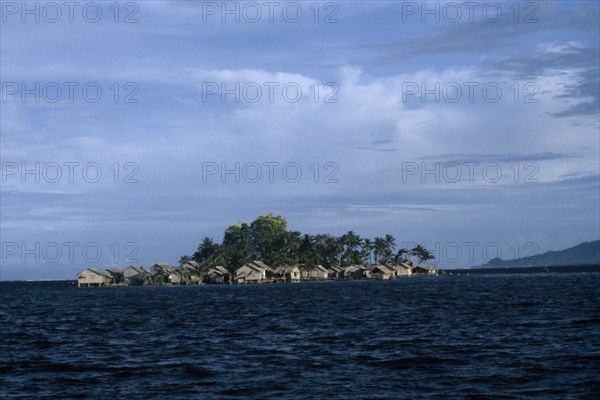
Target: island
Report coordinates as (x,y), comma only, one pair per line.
(265,251)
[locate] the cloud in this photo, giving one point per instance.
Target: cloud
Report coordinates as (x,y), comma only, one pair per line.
(361,141)
(577,64)
(503,158)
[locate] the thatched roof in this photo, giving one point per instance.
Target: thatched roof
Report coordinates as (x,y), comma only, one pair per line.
(352,268)
(287,269)
(424,268)
(115,271)
(262,265)
(96,271)
(190,264)
(139,270)
(161,267)
(383,268)
(401,267)
(218,270)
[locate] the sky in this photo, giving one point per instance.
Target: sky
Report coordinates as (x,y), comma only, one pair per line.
(131,130)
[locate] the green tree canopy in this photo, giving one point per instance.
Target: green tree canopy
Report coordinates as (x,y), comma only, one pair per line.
(268,235)
(237,246)
(267,239)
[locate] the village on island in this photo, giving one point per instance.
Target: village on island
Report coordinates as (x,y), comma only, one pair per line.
(253,272)
(285,256)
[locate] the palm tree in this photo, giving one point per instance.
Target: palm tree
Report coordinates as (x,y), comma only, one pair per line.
(401,256)
(326,250)
(390,244)
(215,258)
(367,248)
(350,243)
(185,273)
(353,240)
(289,248)
(237,246)
(185,258)
(380,247)
(332,249)
(307,253)
(205,250)
(421,253)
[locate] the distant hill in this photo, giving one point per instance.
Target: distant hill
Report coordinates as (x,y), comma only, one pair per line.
(586,253)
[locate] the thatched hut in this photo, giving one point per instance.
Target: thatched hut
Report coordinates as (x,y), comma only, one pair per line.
(91,277)
(288,273)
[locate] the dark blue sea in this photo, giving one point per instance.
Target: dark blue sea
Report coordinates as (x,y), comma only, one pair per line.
(484,336)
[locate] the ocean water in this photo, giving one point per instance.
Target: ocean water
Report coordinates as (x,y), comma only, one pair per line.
(510,336)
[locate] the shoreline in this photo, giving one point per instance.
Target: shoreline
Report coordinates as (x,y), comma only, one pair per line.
(557,269)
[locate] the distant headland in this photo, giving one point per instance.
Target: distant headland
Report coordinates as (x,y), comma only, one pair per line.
(586,253)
